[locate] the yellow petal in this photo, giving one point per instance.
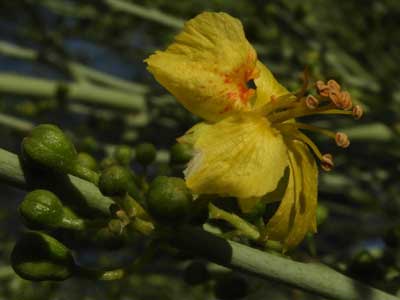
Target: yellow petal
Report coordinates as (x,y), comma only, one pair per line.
(267,86)
(191,136)
(208,66)
(296,214)
(241,156)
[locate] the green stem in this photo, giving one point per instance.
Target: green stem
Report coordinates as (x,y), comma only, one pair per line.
(86,93)
(99,274)
(311,277)
(315,278)
(240,224)
(142,226)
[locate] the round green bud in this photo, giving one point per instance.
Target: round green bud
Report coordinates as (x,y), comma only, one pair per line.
(123,154)
(89,144)
(114,181)
(231,287)
(168,199)
(48,146)
(87,161)
(365,266)
(181,153)
(38,256)
(107,162)
(41,209)
(145,153)
(196,273)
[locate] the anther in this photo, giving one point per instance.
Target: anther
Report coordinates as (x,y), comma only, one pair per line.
(342,140)
(346,102)
(334,85)
(335,97)
(357,112)
(312,102)
(327,162)
(322,88)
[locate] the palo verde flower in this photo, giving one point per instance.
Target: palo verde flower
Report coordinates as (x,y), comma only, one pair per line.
(249,137)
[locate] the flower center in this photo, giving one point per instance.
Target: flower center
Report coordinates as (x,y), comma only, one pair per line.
(240,78)
(330,99)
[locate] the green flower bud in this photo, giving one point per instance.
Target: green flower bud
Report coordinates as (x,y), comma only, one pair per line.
(123,154)
(87,161)
(231,287)
(89,144)
(38,256)
(114,181)
(48,146)
(365,267)
(41,209)
(107,239)
(107,162)
(145,153)
(181,153)
(168,199)
(196,273)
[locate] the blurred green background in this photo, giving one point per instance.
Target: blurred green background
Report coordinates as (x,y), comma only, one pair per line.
(103,44)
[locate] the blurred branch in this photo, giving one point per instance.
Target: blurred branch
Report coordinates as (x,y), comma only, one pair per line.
(84,92)
(146,13)
(14,123)
(81,71)
(311,277)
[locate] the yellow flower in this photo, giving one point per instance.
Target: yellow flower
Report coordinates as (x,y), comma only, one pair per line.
(249,137)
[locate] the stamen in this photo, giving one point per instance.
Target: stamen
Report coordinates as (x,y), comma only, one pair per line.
(334,85)
(300,125)
(327,162)
(322,88)
(302,137)
(342,140)
(312,102)
(304,111)
(282,102)
(335,97)
(357,112)
(306,80)
(346,102)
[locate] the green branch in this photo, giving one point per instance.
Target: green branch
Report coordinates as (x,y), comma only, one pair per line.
(83,92)
(315,278)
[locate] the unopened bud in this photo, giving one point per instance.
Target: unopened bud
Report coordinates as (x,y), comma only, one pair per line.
(38,256)
(342,140)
